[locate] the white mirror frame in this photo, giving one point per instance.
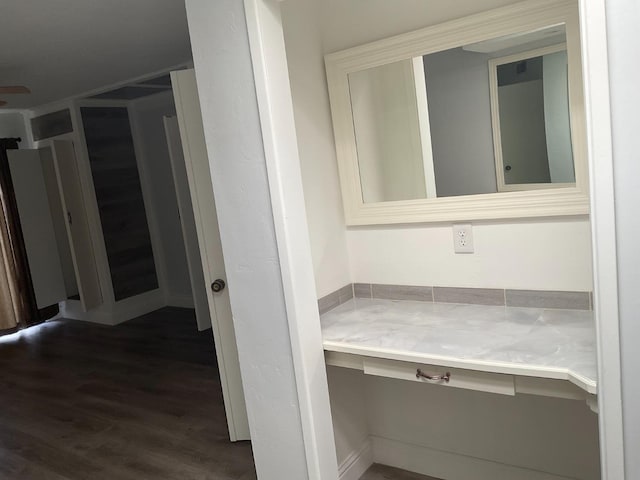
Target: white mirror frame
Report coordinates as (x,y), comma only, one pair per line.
(513,19)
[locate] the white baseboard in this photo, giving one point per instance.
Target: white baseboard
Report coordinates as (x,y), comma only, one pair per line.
(356,463)
(181,301)
(115,313)
(451,466)
(72,310)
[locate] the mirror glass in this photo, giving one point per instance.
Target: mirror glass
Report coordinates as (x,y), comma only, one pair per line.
(532,104)
(482,118)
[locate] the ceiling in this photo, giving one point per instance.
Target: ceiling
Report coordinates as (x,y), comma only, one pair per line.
(67,47)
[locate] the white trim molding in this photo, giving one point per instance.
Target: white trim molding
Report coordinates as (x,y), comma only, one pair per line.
(356,463)
(115,313)
(275,105)
(179,300)
(595,63)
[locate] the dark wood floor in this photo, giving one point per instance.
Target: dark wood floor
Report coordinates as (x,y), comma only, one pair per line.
(138,401)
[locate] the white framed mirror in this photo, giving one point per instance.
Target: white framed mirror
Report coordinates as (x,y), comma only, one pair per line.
(477,118)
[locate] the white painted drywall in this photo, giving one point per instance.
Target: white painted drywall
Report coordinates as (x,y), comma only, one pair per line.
(87,46)
(148,113)
(536,254)
(322,196)
(12,125)
(348,409)
(258,194)
(623,17)
(538,433)
(547,255)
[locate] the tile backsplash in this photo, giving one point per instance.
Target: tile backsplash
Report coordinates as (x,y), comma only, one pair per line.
(476,296)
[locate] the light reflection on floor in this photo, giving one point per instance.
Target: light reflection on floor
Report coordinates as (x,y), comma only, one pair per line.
(26,333)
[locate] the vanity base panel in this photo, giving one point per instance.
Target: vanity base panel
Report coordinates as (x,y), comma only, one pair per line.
(448,465)
(460,433)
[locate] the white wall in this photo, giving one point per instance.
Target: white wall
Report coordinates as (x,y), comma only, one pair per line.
(548,255)
(13,124)
(319,166)
(535,254)
(537,433)
(623,17)
(148,113)
(348,409)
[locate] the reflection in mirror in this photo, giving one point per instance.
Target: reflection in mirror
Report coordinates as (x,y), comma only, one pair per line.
(423,126)
(388,133)
(530,101)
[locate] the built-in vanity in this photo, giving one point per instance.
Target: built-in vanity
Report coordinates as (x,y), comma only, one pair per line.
(495,349)
(460,146)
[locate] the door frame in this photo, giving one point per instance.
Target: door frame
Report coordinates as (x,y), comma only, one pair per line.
(193,146)
(187,221)
(595,65)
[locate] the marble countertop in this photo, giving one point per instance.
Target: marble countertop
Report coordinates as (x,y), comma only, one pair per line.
(557,344)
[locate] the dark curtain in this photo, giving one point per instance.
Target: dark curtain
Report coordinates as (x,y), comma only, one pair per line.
(15,275)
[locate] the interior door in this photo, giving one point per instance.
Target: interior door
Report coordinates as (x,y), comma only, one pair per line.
(77,224)
(37,226)
(187,222)
(206,220)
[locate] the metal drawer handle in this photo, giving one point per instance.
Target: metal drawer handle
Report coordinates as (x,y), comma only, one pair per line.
(435,378)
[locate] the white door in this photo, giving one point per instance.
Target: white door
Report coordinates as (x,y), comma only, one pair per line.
(199,176)
(37,227)
(187,222)
(77,224)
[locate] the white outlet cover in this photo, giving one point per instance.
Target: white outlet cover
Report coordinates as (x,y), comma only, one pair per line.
(463,238)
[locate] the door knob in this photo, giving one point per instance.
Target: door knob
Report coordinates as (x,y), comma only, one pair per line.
(218,285)
(507,168)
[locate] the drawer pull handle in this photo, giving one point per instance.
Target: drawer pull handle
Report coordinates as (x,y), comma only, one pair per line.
(435,378)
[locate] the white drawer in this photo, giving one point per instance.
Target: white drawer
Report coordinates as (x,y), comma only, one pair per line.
(468,379)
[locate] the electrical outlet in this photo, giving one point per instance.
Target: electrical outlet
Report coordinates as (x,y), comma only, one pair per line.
(463,238)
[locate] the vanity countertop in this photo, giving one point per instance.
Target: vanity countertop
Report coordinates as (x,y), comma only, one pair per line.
(546,343)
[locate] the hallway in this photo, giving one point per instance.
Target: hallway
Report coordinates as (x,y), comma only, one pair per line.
(139,401)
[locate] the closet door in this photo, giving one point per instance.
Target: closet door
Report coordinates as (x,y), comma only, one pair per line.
(77,224)
(203,203)
(37,226)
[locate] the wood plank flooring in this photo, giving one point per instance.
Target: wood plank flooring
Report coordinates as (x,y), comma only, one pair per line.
(138,401)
